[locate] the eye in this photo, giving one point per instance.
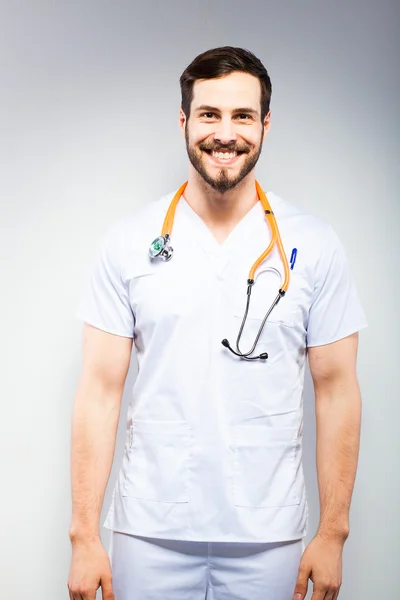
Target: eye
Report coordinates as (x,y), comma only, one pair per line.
(211,115)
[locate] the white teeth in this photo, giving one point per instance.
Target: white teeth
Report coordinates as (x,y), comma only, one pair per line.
(224,155)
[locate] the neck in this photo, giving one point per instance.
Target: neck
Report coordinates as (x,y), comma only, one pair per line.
(217,208)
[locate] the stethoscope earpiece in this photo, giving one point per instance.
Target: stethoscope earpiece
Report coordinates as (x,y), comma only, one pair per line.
(262,356)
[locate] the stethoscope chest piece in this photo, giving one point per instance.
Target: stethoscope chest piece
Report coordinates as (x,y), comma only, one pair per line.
(159,247)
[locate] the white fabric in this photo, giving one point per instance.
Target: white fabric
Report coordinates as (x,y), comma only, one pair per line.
(154,569)
(214,443)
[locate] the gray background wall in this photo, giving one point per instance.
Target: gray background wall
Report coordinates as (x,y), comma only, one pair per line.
(89,102)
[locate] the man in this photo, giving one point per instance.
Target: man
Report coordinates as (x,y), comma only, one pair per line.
(210,499)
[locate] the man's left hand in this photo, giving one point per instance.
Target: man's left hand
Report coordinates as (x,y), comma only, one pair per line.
(322,563)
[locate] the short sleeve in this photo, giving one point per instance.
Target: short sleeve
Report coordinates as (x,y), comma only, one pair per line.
(335,311)
(105,302)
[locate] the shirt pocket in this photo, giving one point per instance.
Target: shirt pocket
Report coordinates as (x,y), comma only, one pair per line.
(265,290)
(158,461)
(286,315)
(265,463)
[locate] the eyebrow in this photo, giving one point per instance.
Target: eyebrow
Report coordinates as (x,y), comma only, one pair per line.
(207,108)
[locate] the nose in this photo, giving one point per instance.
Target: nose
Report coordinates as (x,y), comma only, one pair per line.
(225,131)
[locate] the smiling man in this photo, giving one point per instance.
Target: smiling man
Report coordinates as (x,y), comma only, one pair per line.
(210,501)
(244,130)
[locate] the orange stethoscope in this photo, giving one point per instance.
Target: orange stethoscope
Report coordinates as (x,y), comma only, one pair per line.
(160,247)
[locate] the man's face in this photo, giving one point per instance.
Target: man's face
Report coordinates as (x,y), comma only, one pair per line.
(224,133)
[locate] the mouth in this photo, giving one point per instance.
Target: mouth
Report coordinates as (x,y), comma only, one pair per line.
(223,157)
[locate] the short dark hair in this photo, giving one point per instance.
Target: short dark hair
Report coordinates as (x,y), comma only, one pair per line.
(218,62)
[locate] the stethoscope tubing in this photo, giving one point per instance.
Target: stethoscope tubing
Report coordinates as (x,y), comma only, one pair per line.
(167,251)
(247,354)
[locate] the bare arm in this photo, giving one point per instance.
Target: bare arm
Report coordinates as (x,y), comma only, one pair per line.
(338,419)
(97,404)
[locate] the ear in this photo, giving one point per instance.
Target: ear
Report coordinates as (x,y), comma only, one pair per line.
(182,121)
(267,121)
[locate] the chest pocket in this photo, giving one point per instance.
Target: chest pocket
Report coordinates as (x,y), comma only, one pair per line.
(265,289)
(286,318)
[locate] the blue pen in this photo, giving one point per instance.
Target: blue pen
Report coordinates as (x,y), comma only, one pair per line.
(293,258)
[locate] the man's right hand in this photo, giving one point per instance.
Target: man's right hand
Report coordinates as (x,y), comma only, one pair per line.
(90,569)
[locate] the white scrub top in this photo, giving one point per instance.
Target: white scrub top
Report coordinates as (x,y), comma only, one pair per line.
(213,448)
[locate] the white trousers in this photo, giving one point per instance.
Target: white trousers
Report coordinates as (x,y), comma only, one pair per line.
(156,569)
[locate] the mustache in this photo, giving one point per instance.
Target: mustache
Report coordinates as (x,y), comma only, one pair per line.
(221,148)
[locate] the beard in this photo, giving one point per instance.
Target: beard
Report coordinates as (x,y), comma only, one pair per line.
(222,182)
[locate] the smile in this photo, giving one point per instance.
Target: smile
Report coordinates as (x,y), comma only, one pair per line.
(223,157)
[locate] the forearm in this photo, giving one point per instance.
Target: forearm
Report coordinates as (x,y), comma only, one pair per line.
(338,414)
(94,426)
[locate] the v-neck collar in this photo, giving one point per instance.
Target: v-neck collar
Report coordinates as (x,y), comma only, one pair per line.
(220,254)
(206,238)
